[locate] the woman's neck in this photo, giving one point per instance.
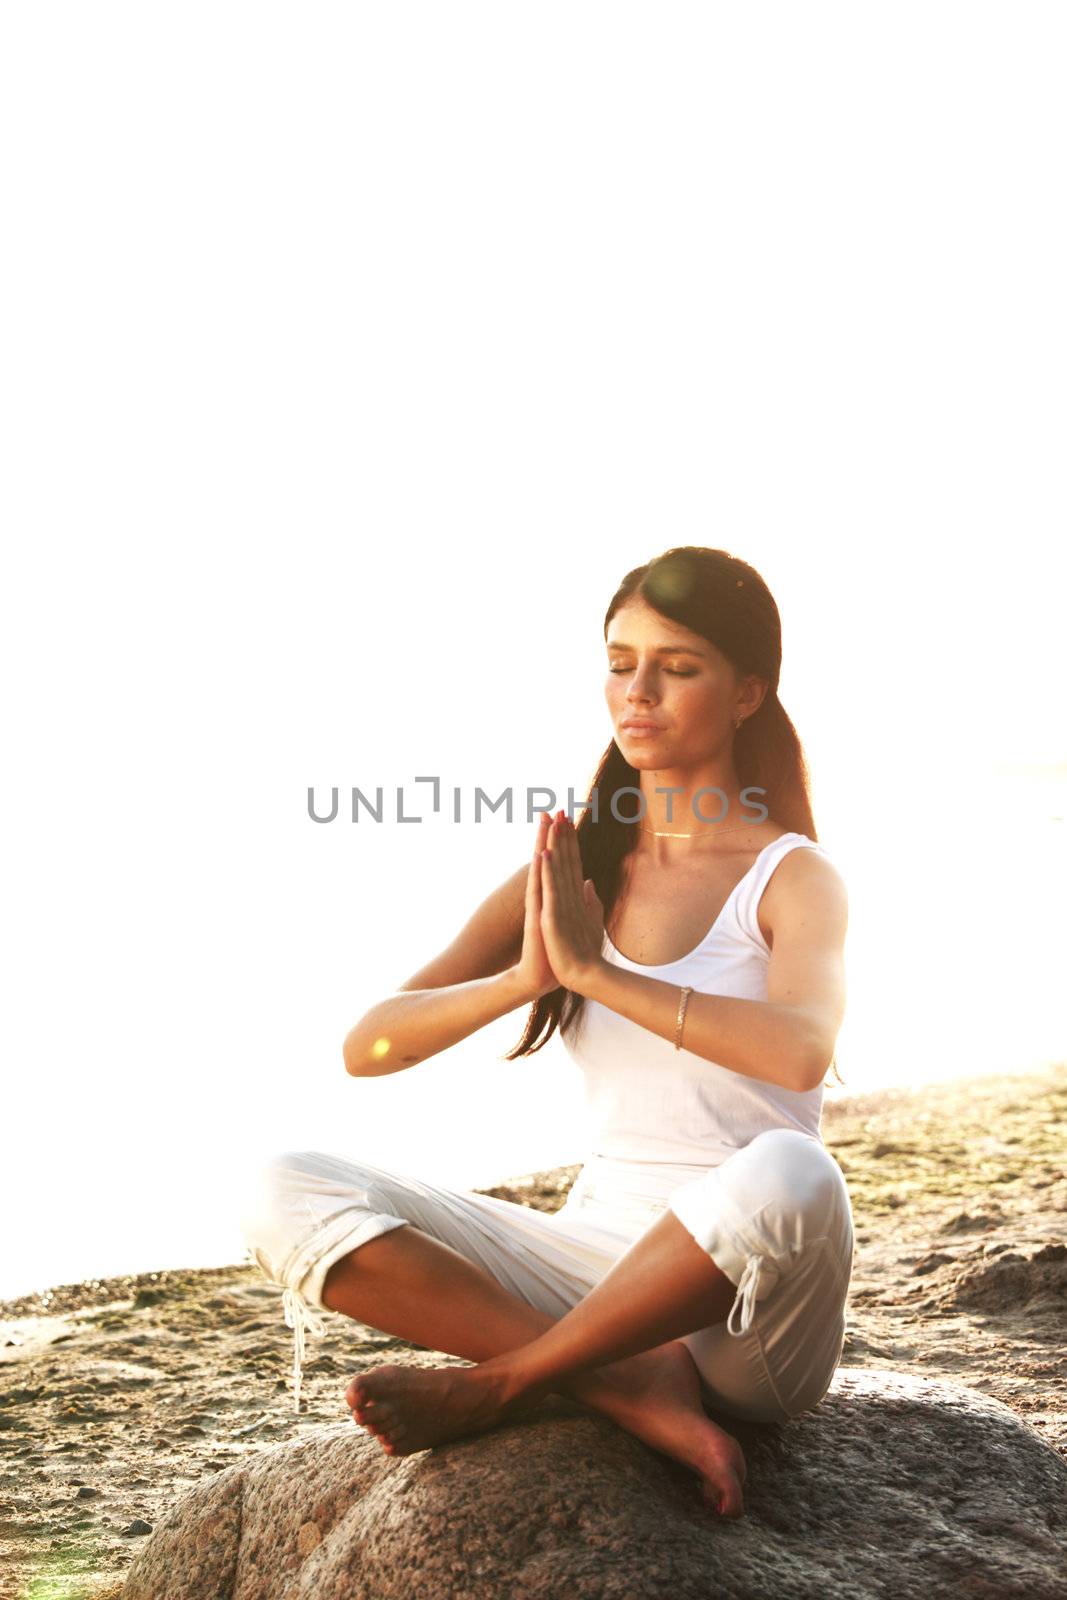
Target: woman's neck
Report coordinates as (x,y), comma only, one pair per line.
(681,804)
(688,819)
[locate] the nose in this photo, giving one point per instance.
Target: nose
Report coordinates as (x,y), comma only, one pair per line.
(639,691)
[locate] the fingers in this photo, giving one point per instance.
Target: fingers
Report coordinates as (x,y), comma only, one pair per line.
(551,877)
(565,839)
(566,864)
(548,912)
(573,853)
(534,875)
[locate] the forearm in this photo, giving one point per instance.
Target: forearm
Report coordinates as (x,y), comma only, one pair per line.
(760,1039)
(416,1023)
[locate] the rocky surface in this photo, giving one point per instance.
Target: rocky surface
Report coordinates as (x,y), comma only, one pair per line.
(117,1397)
(893,1473)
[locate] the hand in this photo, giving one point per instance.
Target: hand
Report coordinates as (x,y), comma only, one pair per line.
(572,917)
(533,969)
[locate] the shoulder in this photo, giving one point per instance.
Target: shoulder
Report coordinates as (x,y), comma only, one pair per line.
(805,891)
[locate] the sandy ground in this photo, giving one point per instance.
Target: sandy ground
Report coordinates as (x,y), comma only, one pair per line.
(116,1395)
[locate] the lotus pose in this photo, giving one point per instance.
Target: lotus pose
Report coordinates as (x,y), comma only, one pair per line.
(686,937)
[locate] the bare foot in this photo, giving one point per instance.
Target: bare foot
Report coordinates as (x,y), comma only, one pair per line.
(414,1408)
(655,1395)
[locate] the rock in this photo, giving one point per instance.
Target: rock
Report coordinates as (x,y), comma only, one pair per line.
(895,1484)
(137,1527)
(930,1262)
(1012,1279)
(308,1535)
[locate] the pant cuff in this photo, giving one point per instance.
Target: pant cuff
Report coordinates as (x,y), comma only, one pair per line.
(304,1274)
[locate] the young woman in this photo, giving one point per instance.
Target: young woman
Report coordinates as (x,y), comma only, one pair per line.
(705,1251)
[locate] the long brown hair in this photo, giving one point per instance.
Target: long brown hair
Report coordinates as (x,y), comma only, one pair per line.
(725,601)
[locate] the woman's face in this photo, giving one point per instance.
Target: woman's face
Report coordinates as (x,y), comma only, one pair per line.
(673,680)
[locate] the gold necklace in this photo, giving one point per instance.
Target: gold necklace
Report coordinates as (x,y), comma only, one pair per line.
(656,834)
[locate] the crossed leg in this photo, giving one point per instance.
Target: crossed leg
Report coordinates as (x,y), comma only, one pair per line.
(618,1350)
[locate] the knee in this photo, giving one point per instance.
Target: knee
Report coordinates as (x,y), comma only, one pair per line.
(804,1179)
(293,1195)
(265,1179)
(271,1207)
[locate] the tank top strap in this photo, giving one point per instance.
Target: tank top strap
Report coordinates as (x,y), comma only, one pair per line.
(752,889)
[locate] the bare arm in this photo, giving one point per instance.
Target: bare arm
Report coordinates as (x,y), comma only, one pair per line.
(787,1039)
(487,970)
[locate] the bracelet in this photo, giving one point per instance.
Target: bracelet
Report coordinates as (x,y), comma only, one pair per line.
(680,1024)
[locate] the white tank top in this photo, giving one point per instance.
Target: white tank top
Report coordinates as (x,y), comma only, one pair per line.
(650,1103)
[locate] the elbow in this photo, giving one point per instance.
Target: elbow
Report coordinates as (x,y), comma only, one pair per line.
(359,1061)
(814,1041)
(813,1071)
(812,1065)
(353,1056)
(375,1061)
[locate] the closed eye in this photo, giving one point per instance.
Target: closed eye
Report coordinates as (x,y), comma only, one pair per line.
(672,672)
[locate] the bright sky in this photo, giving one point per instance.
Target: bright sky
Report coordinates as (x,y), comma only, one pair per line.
(350,361)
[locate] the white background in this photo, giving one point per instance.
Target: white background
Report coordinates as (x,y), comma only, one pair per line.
(351,356)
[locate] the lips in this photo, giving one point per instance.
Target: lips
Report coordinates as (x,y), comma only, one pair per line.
(639,724)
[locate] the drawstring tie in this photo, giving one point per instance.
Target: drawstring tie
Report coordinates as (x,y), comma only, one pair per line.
(302,1319)
(747,1294)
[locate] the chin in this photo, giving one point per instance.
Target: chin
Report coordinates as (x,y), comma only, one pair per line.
(649,760)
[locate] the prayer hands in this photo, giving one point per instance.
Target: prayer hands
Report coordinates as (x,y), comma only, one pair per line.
(534,970)
(572,917)
(563,932)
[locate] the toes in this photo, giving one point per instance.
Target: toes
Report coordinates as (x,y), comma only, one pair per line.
(726,1502)
(370,1422)
(389,1435)
(369,1387)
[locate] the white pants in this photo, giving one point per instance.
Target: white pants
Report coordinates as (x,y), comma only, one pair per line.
(775,1217)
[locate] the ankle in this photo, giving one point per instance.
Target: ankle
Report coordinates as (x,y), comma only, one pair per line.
(511,1383)
(615,1380)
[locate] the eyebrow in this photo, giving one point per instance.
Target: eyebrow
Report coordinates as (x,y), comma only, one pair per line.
(661,649)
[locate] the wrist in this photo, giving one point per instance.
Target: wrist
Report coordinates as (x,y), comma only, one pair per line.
(514,988)
(585,979)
